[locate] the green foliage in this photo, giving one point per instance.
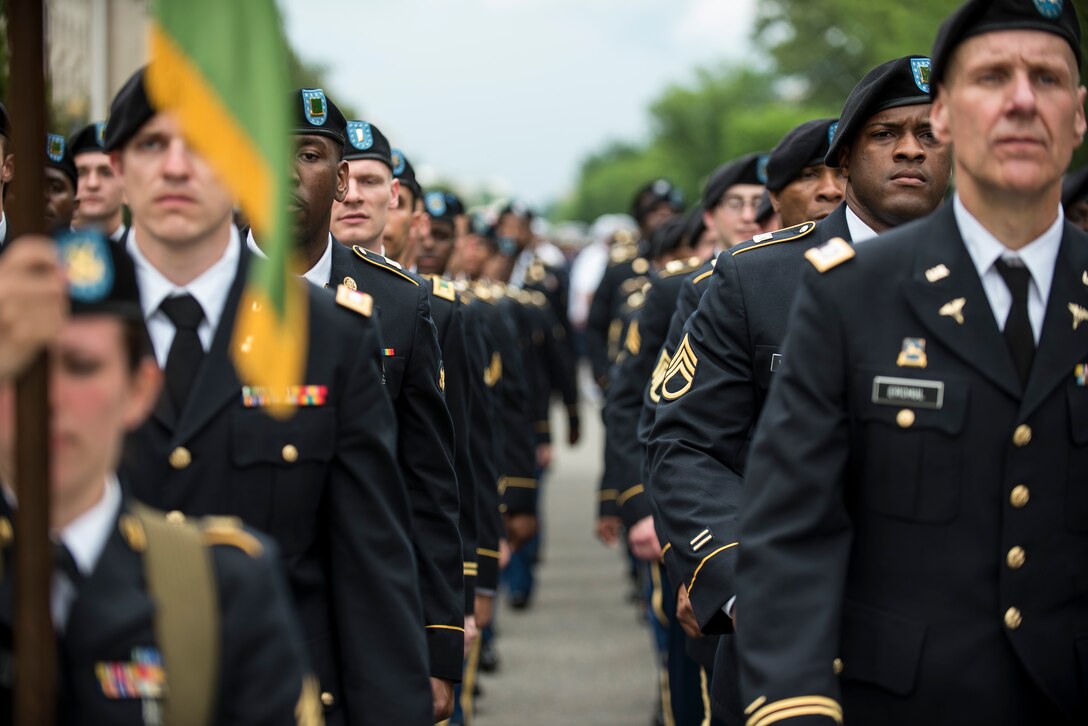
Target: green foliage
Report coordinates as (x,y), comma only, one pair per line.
(818,50)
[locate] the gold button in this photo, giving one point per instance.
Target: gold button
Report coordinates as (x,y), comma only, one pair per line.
(327,699)
(175,517)
(290,454)
(1016,558)
(1022,435)
(180,458)
(1019,496)
(1013,618)
(836,666)
(905,418)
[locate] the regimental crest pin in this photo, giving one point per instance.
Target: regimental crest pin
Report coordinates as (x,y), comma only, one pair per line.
(1080,315)
(954,309)
(831,254)
(939,272)
(54,146)
(681,373)
(831,133)
(360,135)
(1080,374)
(314,106)
(1049,9)
(913,353)
(398,162)
(920,68)
(435,203)
(100,133)
(87,264)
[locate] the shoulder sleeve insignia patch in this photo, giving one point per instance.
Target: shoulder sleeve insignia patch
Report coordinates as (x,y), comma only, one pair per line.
(354,300)
(658,376)
(443,289)
(831,254)
(681,373)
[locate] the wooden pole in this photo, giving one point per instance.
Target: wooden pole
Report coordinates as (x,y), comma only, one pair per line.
(35,644)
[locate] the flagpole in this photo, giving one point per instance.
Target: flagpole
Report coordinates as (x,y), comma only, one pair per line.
(35,649)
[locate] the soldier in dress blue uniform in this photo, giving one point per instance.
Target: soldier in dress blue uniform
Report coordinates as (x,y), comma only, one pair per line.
(351,161)
(711,393)
(60,183)
(131,649)
(100,196)
(324,484)
(913,543)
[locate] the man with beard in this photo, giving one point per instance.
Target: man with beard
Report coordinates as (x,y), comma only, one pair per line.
(353,184)
(913,541)
(324,484)
(713,391)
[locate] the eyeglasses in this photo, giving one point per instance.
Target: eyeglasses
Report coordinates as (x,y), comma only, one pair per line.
(736,204)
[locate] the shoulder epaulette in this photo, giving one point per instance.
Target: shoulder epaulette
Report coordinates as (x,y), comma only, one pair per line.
(443,289)
(382,261)
(772,238)
(538,299)
(830,254)
(229,531)
(640,266)
(354,300)
(679,267)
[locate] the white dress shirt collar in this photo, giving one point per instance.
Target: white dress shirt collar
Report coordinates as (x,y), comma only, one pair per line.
(3,226)
(86,535)
(1039,256)
(319,274)
(211,289)
(859,231)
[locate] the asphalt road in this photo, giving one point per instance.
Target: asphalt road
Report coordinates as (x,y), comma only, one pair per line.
(579,656)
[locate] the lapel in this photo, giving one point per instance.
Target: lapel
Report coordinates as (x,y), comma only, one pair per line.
(217,383)
(977,341)
(342,264)
(1060,347)
(112,603)
(833,225)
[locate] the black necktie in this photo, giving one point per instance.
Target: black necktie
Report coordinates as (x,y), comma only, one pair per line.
(186,352)
(65,563)
(1018,335)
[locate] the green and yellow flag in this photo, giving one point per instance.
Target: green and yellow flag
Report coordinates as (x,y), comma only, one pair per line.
(222,67)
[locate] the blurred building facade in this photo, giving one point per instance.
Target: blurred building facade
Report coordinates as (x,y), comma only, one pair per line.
(93,47)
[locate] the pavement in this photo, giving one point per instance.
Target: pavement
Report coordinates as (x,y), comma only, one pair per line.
(579,656)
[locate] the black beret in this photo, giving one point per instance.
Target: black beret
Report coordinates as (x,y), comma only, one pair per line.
(437,206)
(5,122)
(517,208)
(805,145)
(403,170)
(129,110)
(455,205)
(766,209)
(101,275)
(976,17)
(900,82)
(653,193)
(667,237)
(750,169)
(694,225)
(89,138)
(59,156)
(366,141)
(1075,187)
(316,114)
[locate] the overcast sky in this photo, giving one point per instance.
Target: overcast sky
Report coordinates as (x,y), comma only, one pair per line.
(512,92)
